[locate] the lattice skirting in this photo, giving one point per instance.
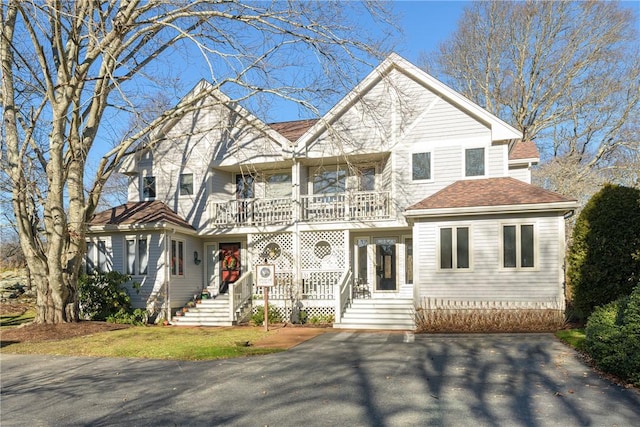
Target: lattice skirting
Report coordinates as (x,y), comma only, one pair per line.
(285,311)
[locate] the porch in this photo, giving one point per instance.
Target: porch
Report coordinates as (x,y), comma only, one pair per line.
(345,302)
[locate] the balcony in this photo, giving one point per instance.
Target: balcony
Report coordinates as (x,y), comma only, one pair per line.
(353,206)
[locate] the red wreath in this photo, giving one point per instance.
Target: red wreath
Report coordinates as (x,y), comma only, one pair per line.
(230,262)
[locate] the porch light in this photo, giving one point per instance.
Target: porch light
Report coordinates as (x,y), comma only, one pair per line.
(195,258)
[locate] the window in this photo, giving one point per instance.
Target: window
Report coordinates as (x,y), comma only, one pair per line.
(367,179)
(149,187)
(186,184)
(518,246)
(454,248)
(136,256)
(177,258)
(244,187)
(329,181)
(279,186)
(421,166)
(408,261)
(474,162)
(96,257)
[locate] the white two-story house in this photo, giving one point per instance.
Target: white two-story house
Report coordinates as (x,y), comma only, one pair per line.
(405,194)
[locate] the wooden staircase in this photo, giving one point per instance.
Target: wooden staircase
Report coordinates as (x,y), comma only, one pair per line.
(396,314)
(208,312)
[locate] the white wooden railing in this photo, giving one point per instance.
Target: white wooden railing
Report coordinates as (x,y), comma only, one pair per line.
(360,205)
(252,212)
(240,294)
(320,284)
(344,290)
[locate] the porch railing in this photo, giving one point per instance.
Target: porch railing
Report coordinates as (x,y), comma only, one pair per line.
(253,212)
(359,205)
(240,295)
(344,287)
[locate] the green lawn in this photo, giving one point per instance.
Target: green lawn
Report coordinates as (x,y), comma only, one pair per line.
(154,342)
(573,337)
(9,320)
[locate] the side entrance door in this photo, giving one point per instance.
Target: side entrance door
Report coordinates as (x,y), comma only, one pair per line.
(385,264)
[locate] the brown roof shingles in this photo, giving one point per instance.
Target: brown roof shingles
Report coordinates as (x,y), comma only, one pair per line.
(488,192)
(150,212)
(524,150)
(294,129)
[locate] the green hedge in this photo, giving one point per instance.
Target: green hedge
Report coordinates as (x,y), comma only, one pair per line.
(603,263)
(613,337)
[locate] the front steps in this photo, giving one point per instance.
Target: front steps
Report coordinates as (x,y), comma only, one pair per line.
(396,314)
(209,312)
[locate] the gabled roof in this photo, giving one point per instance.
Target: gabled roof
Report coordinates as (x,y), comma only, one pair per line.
(524,150)
(294,129)
(500,130)
(490,195)
(139,213)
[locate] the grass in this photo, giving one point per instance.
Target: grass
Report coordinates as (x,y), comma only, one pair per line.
(573,337)
(154,342)
(16,319)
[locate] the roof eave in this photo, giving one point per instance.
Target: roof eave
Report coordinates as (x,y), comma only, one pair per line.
(133,228)
(492,210)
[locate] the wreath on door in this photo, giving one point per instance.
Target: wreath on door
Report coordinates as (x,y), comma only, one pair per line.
(230,262)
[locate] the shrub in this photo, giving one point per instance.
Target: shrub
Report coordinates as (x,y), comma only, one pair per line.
(104,297)
(488,320)
(257,318)
(603,263)
(613,337)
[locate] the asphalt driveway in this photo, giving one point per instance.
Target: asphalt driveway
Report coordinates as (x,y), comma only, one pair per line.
(335,379)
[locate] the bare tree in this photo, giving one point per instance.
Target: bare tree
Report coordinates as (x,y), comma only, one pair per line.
(565,73)
(71,69)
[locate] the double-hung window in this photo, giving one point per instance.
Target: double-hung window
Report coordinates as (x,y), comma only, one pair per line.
(474,162)
(96,257)
(148,187)
(454,248)
(420,166)
(186,184)
(136,256)
(177,258)
(518,246)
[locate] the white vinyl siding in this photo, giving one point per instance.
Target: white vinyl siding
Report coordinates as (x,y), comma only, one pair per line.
(488,280)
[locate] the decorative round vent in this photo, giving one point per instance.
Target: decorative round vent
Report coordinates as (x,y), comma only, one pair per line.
(272,251)
(322,249)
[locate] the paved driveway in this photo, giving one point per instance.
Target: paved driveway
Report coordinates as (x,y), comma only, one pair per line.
(336,379)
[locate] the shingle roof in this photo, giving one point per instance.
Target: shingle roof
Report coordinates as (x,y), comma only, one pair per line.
(294,129)
(488,192)
(524,150)
(139,213)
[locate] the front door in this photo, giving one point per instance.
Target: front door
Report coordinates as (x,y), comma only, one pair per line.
(385,264)
(229,263)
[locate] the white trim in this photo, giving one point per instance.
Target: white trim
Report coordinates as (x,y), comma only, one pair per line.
(489,210)
(132,228)
(177,275)
(485,156)
(136,238)
(179,186)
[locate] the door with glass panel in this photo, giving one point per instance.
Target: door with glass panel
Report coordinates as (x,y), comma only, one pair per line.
(385,264)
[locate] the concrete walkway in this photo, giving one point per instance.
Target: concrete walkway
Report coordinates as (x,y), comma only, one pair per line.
(335,379)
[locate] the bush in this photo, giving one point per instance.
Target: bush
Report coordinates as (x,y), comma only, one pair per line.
(257,318)
(488,320)
(613,337)
(603,263)
(104,297)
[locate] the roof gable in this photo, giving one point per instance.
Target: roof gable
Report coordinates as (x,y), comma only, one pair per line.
(500,130)
(524,150)
(488,193)
(139,213)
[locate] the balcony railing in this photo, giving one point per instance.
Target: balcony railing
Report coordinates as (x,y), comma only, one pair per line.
(253,212)
(358,206)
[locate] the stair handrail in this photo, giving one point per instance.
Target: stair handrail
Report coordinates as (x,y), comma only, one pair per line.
(240,292)
(344,292)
